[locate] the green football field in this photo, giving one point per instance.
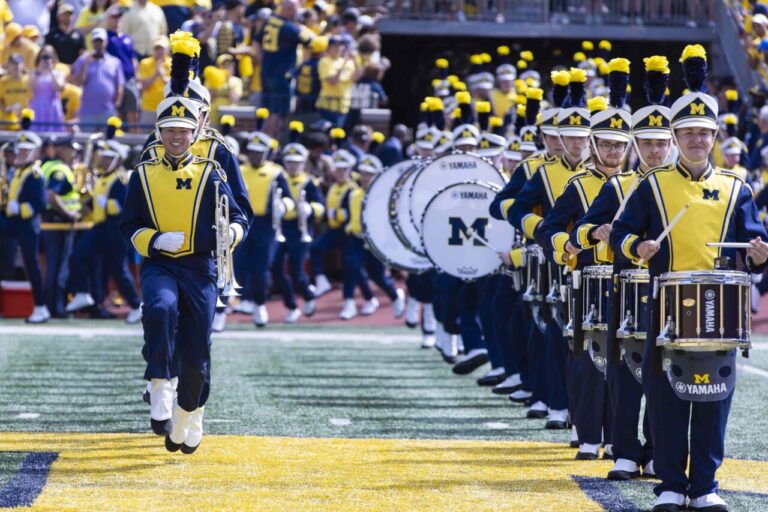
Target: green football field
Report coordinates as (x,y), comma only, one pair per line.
(313,404)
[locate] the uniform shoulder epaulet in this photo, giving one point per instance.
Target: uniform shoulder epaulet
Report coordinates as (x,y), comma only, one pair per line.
(661,168)
(37,172)
(149,161)
(728,172)
(214,134)
(578,176)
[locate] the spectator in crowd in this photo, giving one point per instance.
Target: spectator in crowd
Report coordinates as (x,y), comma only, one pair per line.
(46,84)
(278,41)
(68,42)
(31,33)
(201,27)
(16,43)
(761,140)
(92,17)
(391,151)
(349,21)
(254,81)
(6,15)
(144,22)
(695,8)
(359,141)
(338,71)
(229,33)
(14,89)
(308,78)
(71,97)
(759,30)
(102,79)
(226,88)
(178,11)
(154,72)
(120,46)
(319,163)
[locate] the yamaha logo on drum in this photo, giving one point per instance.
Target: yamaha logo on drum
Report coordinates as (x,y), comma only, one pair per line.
(459,230)
(461,164)
(709,311)
(473,195)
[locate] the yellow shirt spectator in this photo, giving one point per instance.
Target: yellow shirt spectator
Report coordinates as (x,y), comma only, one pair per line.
(88,20)
(16,43)
(337,76)
(14,94)
(71,97)
(152,96)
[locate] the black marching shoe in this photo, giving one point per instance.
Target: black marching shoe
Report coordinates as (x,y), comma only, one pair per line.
(184,448)
(161,427)
(171,446)
(474,360)
(491,378)
(624,469)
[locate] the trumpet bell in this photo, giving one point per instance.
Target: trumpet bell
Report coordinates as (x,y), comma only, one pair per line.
(219,303)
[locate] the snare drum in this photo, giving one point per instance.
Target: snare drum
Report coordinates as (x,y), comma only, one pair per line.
(447,220)
(535,274)
(704,310)
(596,282)
(634,291)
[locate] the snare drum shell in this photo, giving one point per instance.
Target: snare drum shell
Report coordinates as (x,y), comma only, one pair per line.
(596,283)
(634,290)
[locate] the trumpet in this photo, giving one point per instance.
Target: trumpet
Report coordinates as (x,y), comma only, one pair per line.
(225,272)
(302,218)
(277,219)
(84,175)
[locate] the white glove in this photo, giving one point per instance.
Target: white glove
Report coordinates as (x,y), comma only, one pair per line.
(332,213)
(169,242)
(307,209)
(281,209)
(13,207)
(101,200)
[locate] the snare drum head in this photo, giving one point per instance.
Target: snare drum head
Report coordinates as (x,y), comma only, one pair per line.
(379,234)
(399,209)
(443,172)
(447,219)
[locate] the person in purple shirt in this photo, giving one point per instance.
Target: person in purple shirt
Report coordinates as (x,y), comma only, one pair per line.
(120,46)
(102,79)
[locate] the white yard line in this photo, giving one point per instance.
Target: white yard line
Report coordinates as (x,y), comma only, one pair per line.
(753,370)
(285,336)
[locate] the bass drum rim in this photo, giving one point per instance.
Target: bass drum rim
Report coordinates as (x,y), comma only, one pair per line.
(393,198)
(373,247)
(489,186)
(418,225)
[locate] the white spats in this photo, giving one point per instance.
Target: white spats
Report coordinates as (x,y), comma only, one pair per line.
(161,399)
(180,422)
(79,301)
(195,433)
(322,285)
(261,316)
(412,311)
(349,310)
(134,316)
(40,314)
(369,307)
(293,316)
(219,322)
(428,317)
(398,305)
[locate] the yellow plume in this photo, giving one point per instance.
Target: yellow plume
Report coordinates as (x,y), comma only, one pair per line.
(526,55)
(731,95)
(377,137)
(262,113)
(441,63)
(597,104)
(534,94)
(693,50)
(463,98)
(579,57)
(228,120)
(338,133)
(605,45)
(587,46)
(561,77)
(618,65)
(502,51)
(657,63)
(577,75)
(296,126)
(496,122)
(483,107)
(115,121)
(28,113)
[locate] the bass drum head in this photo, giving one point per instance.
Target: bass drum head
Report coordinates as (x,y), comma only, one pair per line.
(399,209)
(449,216)
(444,171)
(378,233)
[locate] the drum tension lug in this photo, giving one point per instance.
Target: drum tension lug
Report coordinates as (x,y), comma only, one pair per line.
(745,353)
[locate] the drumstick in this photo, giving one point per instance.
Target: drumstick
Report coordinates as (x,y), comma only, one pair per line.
(729,245)
(669,227)
(622,205)
(471,232)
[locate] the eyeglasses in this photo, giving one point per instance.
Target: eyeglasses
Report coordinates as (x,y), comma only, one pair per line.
(608,147)
(46,57)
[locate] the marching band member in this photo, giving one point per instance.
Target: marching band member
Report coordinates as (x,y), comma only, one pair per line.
(103,243)
(610,138)
(270,198)
(297,230)
(720,208)
(521,368)
(167,217)
(62,211)
(539,194)
(652,138)
(358,259)
(25,203)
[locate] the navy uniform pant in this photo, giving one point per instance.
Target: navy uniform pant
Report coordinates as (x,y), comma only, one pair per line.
(671,419)
(512,327)
(537,363)
(360,265)
(556,352)
(102,245)
(446,301)
(488,316)
(592,414)
(254,259)
(328,241)
(57,246)
(27,234)
(177,316)
(626,395)
(421,288)
(295,252)
(469,319)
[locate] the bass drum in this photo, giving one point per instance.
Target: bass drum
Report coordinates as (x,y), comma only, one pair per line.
(379,234)
(399,208)
(444,171)
(450,215)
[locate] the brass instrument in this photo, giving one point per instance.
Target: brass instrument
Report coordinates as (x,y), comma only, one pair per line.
(84,175)
(303,218)
(4,185)
(225,272)
(277,219)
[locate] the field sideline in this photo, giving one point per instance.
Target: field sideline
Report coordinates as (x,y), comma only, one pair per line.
(308,418)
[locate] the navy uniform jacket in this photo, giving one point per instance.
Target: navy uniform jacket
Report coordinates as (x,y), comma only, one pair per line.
(260,183)
(114,189)
(166,198)
(499,208)
(390,152)
(210,145)
(337,203)
(27,187)
(541,191)
(553,233)
(303,181)
(721,210)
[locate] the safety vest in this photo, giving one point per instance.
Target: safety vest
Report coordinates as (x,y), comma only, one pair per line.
(70,200)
